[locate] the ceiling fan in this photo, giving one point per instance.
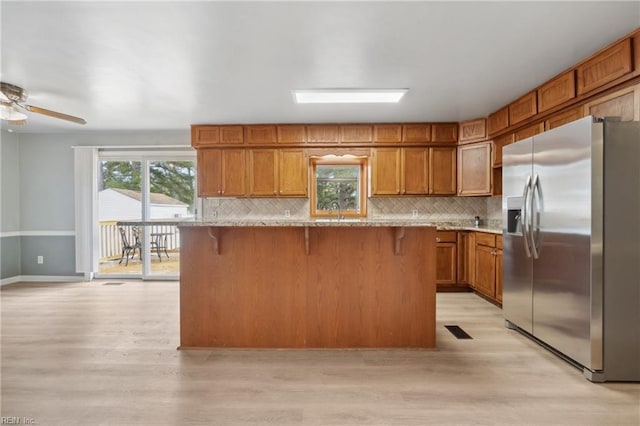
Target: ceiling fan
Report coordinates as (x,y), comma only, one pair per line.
(12,99)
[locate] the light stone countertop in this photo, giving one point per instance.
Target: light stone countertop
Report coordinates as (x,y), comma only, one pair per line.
(392,222)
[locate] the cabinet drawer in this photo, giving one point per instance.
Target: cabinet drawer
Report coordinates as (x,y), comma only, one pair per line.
(446,237)
(485,239)
(499,241)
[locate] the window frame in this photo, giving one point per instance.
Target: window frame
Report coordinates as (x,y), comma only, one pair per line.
(339,161)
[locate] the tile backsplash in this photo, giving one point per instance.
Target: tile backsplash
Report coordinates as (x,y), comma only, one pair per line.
(432,208)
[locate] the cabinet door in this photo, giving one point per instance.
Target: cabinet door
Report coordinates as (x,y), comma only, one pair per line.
(385,171)
(263,172)
(499,143)
(202,136)
(416,133)
(356,133)
(624,103)
(292,133)
(557,91)
(293,172)
(231,135)
(498,257)
(209,172)
(471,259)
(442,171)
(608,65)
(474,169)
(524,108)
(444,133)
(563,118)
(529,131)
(234,173)
(497,121)
(446,257)
(387,133)
(260,134)
(462,250)
(485,270)
(415,177)
(322,133)
(472,130)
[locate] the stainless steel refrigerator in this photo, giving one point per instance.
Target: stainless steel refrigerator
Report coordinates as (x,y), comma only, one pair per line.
(571,244)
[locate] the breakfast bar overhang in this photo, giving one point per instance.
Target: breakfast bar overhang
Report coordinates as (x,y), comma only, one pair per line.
(307,284)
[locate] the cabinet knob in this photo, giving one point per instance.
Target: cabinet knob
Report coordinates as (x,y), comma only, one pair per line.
(437,239)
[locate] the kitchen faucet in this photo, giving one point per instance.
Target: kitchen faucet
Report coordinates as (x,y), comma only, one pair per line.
(337,205)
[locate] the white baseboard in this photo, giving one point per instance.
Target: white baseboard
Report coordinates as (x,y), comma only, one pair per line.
(41,278)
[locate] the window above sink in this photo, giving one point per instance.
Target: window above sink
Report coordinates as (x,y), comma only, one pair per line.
(338,187)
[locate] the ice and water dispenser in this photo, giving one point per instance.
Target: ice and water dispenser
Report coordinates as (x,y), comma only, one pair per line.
(514,215)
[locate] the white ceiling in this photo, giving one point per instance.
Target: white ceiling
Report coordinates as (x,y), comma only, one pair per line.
(166,65)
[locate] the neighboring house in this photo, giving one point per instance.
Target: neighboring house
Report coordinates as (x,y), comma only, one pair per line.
(124,204)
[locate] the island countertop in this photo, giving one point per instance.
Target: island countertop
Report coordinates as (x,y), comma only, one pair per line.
(365,222)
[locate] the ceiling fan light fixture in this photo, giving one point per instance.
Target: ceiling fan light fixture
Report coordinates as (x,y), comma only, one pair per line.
(10,112)
(348,96)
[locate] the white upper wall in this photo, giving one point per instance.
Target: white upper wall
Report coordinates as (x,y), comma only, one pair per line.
(46,171)
(9,182)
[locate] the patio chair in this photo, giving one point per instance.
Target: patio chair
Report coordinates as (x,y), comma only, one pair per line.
(128,247)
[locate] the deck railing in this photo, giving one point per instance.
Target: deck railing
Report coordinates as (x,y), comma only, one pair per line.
(111,242)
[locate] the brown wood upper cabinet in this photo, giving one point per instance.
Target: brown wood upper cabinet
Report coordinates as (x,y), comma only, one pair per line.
(605,67)
(528,131)
(260,135)
(562,118)
(356,133)
(623,103)
(499,143)
(322,133)
(474,169)
(387,133)
(416,133)
(222,173)
(444,133)
(397,171)
(473,130)
(557,91)
(277,172)
(522,109)
(203,136)
(498,121)
(292,134)
(442,170)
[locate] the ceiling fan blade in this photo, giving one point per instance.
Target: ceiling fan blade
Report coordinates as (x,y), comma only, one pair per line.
(17,122)
(55,114)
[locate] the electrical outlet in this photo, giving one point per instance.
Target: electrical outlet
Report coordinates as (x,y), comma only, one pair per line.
(40,260)
(414,213)
(287,213)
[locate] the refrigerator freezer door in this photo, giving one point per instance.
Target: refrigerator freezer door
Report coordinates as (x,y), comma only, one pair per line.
(566,264)
(517,261)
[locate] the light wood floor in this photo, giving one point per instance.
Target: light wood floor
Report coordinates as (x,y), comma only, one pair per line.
(94,354)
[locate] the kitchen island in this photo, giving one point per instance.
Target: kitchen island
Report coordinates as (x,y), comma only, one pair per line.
(307,284)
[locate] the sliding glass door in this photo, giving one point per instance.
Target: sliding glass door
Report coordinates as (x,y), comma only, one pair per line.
(140,201)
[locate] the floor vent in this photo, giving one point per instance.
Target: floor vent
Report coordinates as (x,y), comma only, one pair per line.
(114,283)
(458,332)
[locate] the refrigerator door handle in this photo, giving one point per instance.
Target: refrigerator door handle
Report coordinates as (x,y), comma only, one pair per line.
(536,195)
(524,216)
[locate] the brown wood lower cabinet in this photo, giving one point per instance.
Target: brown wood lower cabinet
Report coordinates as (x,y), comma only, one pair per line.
(488,265)
(447,258)
(469,260)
